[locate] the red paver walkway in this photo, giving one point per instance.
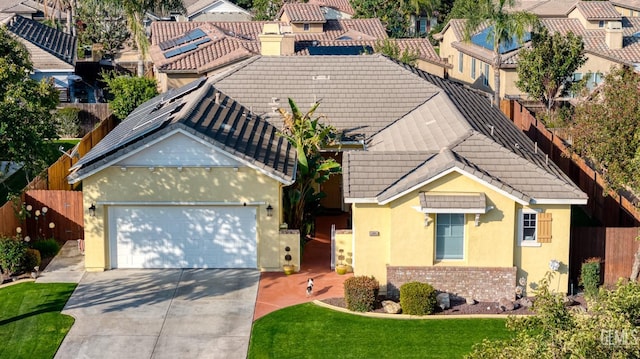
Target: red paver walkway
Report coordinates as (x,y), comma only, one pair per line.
(277,290)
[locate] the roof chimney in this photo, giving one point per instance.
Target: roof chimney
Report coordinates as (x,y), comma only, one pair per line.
(613,34)
(274,42)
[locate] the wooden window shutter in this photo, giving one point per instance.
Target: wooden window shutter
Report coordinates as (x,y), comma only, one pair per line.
(544,227)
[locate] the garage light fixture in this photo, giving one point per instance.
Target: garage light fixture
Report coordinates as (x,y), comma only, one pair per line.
(92,210)
(269,210)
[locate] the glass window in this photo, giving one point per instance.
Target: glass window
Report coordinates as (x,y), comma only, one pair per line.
(473,68)
(485,79)
(461,62)
(450,236)
(529,226)
(306,27)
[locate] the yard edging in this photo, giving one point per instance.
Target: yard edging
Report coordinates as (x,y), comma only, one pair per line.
(426,317)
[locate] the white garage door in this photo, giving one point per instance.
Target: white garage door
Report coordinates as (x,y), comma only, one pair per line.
(183,237)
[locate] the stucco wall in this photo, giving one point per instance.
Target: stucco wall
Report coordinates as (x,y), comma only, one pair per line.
(139,184)
(405,241)
(344,242)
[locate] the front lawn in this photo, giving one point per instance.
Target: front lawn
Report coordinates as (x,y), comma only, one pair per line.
(31,325)
(310,331)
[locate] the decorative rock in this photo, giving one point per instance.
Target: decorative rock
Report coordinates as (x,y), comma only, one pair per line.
(568,301)
(443,300)
(391,307)
(471,301)
(525,302)
(506,304)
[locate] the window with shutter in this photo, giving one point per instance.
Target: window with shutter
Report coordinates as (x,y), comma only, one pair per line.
(544,227)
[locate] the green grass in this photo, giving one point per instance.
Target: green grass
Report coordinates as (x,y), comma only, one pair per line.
(310,331)
(31,325)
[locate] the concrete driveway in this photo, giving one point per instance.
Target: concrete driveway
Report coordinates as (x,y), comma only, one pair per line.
(191,313)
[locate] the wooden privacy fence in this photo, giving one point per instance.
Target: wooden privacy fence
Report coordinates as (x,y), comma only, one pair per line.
(58,172)
(616,247)
(613,210)
(90,114)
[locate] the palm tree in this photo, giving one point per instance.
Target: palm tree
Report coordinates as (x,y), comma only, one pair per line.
(503,26)
(135,11)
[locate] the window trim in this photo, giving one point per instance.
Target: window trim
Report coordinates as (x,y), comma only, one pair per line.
(521,241)
(306,27)
(485,81)
(464,239)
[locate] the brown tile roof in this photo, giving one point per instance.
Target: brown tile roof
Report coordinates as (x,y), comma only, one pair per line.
(598,10)
(546,8)
(230,42)
(594,39)
(340,5)
(447,200)
(303,13)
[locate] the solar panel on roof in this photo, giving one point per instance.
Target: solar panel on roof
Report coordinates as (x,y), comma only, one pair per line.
(485,39)
(180,50)
(202,41)
(195,34)
(339,50)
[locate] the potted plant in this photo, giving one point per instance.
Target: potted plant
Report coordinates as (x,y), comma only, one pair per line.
(288,268)
(341,268)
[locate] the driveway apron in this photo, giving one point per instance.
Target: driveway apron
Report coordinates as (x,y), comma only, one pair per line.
(171,313)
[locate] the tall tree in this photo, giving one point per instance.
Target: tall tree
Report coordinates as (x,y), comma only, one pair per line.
(308,136)
(103,23)
(135,12)
(26,108)
(606,130)
(545,69)
(127,92)
(505,27)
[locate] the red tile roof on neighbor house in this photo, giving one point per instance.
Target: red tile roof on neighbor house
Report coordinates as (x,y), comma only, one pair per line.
(224,43)
(340,5)
(598,10)
(302,13)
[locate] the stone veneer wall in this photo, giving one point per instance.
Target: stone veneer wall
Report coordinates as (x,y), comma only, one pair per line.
(485,284)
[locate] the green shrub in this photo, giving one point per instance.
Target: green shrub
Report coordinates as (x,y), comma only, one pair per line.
(590,276)
(31,259)
(360,293)
(12,253)
(48,247)
(417,298)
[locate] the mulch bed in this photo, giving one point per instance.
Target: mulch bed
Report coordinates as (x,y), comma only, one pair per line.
(458,307)
(26,275)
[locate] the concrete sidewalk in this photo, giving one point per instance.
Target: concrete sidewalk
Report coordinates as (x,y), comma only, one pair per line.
(66,267)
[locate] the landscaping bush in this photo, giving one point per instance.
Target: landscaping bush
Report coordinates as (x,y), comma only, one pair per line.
(12,254)
(417,298)
(31,259)
(360,293)
(590,276)
(48,247)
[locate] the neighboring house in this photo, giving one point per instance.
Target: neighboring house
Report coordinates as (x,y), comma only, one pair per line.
(628,8)
(213,10)
(610,40)
(182,52)
(30,9)
(442,187)
(52,52)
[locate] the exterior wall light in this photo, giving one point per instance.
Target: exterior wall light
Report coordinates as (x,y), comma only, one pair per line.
(269,211)
(92,210)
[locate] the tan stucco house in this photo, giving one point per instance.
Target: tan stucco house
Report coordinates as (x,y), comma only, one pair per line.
(610,40)
(441,186)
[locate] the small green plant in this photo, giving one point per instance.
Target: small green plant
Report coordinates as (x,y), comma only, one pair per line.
(67,122)
(417,298)
(590,276)
(12,254)
(32,259)
(360,293)
(48,247)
